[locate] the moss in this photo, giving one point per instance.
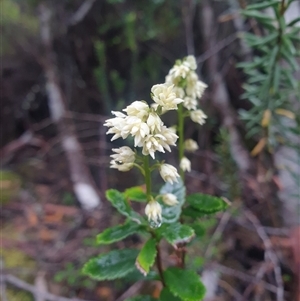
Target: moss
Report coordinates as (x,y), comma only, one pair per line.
(10,184)
(14,258)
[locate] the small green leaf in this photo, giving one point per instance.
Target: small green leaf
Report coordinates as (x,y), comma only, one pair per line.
(257,15)
(142,298)
(199,229)
(185,284)
(192,212)
(206,203)
(135,194)
(262,5)
(166,295)
(171,214)
(146,257)
(118,200)
(176,233)
(113,265)
(294,22)
(117,233)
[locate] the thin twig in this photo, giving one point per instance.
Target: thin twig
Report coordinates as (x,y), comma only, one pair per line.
(131,291)
(159,265)
(219,230)
(231,290)
(269,252)
(217,48)
(82,11)
(243,276)
(33,290)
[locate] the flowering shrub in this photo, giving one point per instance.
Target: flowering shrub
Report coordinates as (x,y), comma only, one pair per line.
(169,214)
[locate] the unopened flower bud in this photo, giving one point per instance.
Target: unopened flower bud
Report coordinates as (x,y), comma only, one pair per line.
(170,199)
(168,173)
(123,159)
(198,116)
(153,211)
(190,145)
(185,164)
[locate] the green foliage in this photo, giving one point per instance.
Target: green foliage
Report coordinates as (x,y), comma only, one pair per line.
(135,194)
(117,233)
(171,214)
(146,257)
(227,167)
(10,185)
(184,284)
(271,85)
(118,200)
(204,203)
(17,23)
(166,295)
(113,265)
(73,277)
(130,29)
(176,233)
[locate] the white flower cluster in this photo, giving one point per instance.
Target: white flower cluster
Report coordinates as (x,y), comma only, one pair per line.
(143,123)
(188,86)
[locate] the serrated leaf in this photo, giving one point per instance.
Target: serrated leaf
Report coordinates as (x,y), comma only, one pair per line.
(198,229)
(136,194)
(117,233)
(184,284)
(113,265)
(206,203)
(192,212)
(146,257)
(166,295)
(171,214)
(118,200)
(142,298)
(176,233)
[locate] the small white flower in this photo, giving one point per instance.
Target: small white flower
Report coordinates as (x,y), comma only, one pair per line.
(198,116)
(191,61)
(169,137)
(190,103)
(190,145)
(168,173)
(164,95)
(185,164)
(170,199)
(137,128)
(139,109)
(194,87)
(123,159)
(179,92)
(151,144)
(154,122)
(153,211)
(179,71)
(117,125)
